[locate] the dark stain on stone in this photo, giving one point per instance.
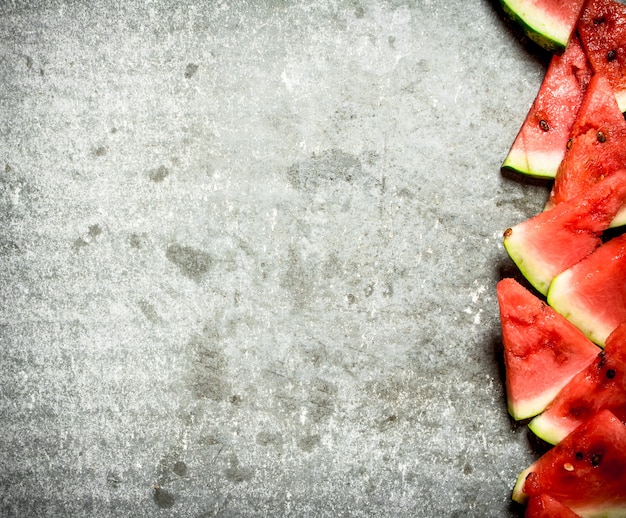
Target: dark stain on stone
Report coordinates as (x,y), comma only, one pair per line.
(388,290)
(235,399)
(100,151)
(149,312)
(114,480)
(137,240)
(328,166)
(180,468)
(163,498)
(392,41)
(269,439)
(190,70)
(359,12)
(159,174)
(309,442)
(29,62)
(193,263)
(8,168)
(406,194)
(80,243)
(237,473)
(208,369)
(369,290)
(94,231)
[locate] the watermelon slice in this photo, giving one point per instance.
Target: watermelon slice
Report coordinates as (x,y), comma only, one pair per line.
(585,472)
(602,31)
(554,240)
(540,143)
(549,23)
(544,506)
(592,293)
(597,148)
(542,350)
(602,385)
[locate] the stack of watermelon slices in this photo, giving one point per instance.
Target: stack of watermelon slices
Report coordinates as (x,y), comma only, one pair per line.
(564,334)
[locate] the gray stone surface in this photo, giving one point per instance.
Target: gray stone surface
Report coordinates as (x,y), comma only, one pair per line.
(249,253)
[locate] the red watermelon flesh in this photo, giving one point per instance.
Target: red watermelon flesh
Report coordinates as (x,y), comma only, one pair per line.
(556,239)
(597,148)
(542,350)
(592,293)
(545,506)
(602,385)
(540,143)
(602,31)
(585,472)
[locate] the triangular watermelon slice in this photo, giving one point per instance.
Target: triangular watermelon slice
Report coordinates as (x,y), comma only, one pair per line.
(585,472)
(548,23)
(602,385)
(592,293)
(541,142)
(545,506)
(602,31)
(542,350)
(597,147)
(556,239)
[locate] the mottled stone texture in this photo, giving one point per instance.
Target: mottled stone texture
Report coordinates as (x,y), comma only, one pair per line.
(249,253)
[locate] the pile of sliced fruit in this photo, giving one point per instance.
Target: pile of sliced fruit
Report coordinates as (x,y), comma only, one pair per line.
(564,332)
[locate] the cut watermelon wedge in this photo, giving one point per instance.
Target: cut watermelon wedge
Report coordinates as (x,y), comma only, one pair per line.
(602,385)
(541,142)
(554,240)
(548,23)
(597,148)
(545,506)
(602,31)
(542,350)
(592,293)
(585,472)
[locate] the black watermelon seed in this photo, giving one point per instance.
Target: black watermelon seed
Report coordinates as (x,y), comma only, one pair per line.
(579,455)
(599,21)
(544,125)
(570,141)
(611,55)
(610,373)
(595,460)
(601,136)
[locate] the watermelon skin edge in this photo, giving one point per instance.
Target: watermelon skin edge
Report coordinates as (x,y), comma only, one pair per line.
(560,299)
(547,429)
(550,36)
(520,162)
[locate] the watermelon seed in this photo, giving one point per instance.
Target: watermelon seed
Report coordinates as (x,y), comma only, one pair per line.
(544,125)
(601,355)
(579,455)
(598,21)
(568,467)
(570,141)
(508,232)
(595,460)
(610,373)
(611,55)
(601,136)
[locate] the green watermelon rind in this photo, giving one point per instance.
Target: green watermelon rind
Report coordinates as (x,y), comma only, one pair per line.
(560,299)
(534,271)
(532,407)
(537,164)
(537,25)
(547,429)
